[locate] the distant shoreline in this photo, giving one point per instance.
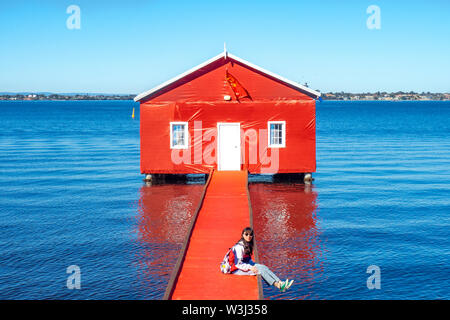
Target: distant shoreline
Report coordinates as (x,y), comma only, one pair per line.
(330,96)
(331,100)
(354,100)
(66,99)
(386,96)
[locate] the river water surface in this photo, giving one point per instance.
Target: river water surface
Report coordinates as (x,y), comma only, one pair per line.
(71,194)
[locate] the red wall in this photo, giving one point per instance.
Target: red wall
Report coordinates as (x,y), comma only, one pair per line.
(199,98)
(297,156)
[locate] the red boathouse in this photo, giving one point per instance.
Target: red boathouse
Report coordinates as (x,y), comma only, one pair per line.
(228,114)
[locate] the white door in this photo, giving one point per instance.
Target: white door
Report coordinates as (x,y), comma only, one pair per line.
(229,146)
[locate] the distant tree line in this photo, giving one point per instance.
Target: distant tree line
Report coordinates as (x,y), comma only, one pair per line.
(54,96)
(400,95)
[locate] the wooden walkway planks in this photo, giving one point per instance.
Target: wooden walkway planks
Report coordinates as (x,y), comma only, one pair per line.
(225,211)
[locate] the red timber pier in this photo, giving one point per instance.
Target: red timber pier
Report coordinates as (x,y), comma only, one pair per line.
(223,212)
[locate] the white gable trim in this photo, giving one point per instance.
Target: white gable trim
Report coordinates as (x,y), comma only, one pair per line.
(226,55)
(292,83)
(168,82)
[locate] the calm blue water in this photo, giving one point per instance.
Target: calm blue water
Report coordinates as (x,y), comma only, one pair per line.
(381,196)
(71,194)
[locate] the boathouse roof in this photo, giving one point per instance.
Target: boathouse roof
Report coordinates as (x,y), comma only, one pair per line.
(228,56)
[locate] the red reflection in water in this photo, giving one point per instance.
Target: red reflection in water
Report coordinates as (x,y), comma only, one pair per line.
(284,217)
(164,214)
(166,211)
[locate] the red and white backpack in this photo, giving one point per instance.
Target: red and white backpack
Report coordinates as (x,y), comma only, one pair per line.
(227,265)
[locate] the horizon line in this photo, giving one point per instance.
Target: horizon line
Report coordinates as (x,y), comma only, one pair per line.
(129,94)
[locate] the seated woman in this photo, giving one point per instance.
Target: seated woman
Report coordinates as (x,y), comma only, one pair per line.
(244,265)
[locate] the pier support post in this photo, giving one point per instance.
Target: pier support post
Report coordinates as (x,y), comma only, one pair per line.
(308,178)
(148,180)
(156,178)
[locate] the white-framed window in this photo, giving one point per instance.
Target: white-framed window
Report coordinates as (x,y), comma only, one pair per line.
(277,134)
(179,135)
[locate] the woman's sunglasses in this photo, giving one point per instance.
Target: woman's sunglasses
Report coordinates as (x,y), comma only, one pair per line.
(249,234)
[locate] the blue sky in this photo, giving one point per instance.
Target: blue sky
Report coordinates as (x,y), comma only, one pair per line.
(132,46)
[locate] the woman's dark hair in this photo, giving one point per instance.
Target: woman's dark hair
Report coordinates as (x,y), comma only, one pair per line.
(248,245)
